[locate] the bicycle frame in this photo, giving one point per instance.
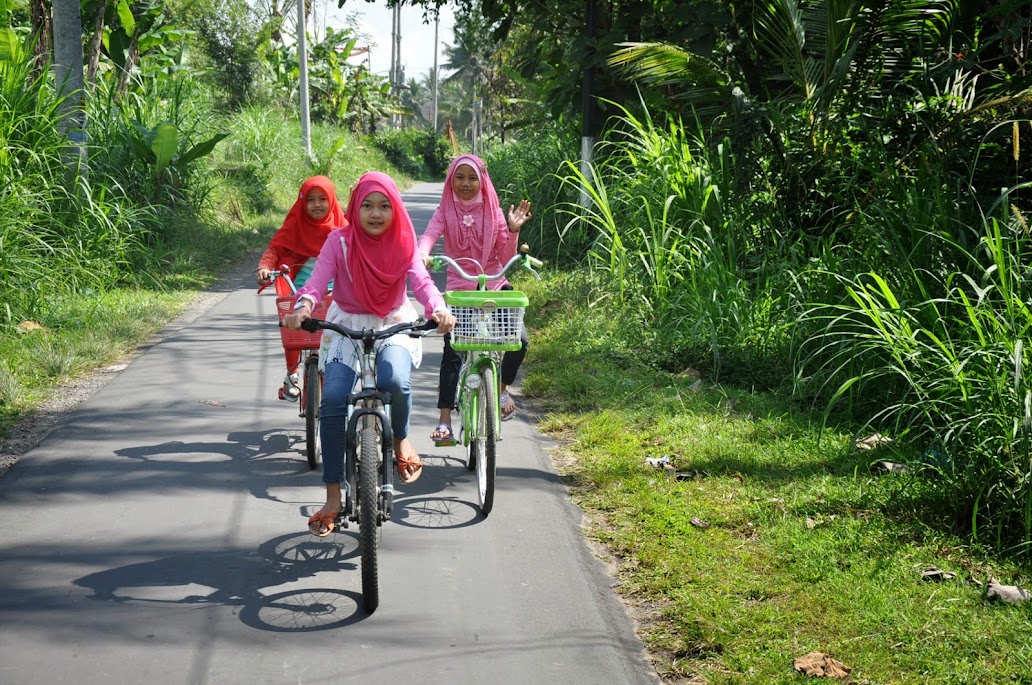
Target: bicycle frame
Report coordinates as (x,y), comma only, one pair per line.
(484,340)
(368,487)
(309,377)
(371,408)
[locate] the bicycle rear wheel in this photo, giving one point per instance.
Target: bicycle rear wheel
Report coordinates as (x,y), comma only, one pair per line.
(487,407)
(312,398)
(368,514)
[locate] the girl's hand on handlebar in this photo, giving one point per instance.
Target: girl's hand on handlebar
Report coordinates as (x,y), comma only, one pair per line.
(263,276)
(445,320)
(294,321)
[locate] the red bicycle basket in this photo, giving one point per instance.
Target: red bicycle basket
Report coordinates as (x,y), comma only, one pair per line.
(300,340)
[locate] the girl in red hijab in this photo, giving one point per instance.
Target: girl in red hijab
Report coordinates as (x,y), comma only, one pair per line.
(369,262)
(296,244)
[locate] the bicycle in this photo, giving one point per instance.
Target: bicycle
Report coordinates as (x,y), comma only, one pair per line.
(489,322)
(368,487)
(307,344)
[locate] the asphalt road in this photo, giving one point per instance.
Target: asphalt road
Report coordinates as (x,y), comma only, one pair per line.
(158,535)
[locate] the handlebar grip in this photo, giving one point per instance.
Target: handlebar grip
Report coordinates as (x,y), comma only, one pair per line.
(535,262)
(310,325)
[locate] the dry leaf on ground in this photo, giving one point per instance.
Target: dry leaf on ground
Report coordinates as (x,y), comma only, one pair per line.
(888,467)
(873,441)
(1008,594)
(932,573)
(29,326)
(821,665)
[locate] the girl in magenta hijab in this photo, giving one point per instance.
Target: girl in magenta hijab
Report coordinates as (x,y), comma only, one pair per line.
(369,261)
(475,230)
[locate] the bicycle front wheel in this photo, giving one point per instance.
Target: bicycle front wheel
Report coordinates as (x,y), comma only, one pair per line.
(368,514)
(312,398)
(487,408)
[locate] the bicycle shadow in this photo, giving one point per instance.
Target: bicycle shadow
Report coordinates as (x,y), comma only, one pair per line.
(419,508)
(237,578)
(267,455)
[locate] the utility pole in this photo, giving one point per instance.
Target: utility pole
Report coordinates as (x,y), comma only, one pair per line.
(437,24)
(302,60)
(396,60)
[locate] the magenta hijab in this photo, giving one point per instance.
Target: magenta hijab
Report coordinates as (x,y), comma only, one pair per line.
(379,265)
(472,226)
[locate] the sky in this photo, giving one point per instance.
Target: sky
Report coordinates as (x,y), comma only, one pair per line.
(374,20)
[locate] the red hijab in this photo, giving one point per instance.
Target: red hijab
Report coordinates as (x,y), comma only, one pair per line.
(300,233)
(378,265)
(472,226)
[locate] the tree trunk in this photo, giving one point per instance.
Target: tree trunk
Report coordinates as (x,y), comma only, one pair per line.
(131,58)
(39,17)
(68,77)
(96,40)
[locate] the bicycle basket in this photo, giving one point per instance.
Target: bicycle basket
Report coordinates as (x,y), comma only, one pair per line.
(489,320)
(300,340)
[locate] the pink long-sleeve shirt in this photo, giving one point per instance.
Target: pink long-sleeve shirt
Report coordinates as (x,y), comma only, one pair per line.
(331,265)
(505,244)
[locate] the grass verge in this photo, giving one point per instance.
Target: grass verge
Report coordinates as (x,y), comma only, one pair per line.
(770,538)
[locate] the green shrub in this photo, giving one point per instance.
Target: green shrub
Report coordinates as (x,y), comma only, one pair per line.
(416,152)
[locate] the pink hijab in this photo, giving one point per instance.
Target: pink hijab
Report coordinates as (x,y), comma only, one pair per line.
(472,226)
(379,265)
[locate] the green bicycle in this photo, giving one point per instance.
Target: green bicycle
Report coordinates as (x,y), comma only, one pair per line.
(488,323)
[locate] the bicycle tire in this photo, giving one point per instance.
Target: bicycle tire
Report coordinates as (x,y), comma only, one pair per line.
(369,514)
(312,399)
(486,421)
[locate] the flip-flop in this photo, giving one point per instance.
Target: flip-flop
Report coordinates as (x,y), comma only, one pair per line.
(506,401)
(442,435)
(404,463)
(321,519)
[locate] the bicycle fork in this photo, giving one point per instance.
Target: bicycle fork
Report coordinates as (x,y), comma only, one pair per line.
(470,396)
(371,411)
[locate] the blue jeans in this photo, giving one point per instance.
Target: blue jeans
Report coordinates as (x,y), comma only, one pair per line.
(393,375)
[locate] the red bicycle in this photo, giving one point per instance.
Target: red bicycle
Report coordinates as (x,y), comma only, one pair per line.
(307,344)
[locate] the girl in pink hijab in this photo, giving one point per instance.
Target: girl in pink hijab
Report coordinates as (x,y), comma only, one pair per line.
(369,261)
(474,228)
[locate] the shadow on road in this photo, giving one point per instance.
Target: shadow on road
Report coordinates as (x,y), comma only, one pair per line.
(237,578)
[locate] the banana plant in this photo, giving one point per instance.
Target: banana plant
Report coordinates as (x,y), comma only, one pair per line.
(167,153)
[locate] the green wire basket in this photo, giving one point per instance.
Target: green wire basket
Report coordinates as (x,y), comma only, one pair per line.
(488,320)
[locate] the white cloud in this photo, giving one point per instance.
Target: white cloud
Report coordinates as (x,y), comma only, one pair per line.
(375,20)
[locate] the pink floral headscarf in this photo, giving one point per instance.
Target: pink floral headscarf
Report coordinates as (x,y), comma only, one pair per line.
(472,225)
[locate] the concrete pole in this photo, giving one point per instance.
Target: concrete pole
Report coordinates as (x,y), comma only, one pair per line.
(302,60)
(437,24)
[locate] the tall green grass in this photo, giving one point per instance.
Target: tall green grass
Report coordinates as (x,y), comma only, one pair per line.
(530,168)
(946,373)
(60,231)
(675,256)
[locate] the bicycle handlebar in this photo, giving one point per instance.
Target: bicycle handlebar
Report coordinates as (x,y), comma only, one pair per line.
(282,272)
(313,325)
(523,257)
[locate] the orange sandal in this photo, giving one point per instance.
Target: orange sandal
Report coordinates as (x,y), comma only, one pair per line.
(317,521)
(405,463)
